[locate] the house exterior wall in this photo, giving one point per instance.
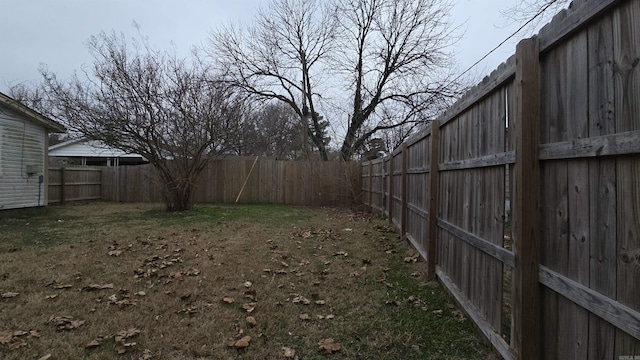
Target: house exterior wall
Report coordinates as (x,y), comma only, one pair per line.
(22,161)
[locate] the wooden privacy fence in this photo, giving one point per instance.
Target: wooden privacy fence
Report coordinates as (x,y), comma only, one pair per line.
(561,119)
(74,183)
(270,181)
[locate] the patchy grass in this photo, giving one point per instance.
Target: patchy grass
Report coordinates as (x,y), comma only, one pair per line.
(154,285)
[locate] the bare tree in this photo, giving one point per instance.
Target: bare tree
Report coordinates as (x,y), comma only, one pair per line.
(134,98)
(389,54)
(280,57)
(396,60)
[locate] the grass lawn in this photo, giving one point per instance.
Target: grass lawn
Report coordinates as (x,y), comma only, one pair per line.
(129,281)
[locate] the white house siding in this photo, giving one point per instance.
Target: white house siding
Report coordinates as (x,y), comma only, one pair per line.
(22,145)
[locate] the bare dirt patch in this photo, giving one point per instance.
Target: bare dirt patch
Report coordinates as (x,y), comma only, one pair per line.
(102,280)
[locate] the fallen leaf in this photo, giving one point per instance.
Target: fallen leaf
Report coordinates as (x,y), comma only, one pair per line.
(330,316)
(8,295)
(65,322)
(289,353)
(20,333)
(251,295)
(320,302)
(52,296)
(341,253)
(5,336)
(115,253)
(191,272)
(414,300)
(284,264)
(437,312)
(413,258)
(62,286)
(146,355)
(305,317)
(17,343)
(121,339)
(241,343)
(249,307)
(251,321)
(34,333)
(227,299)
(45,357)
(247,284)
(93,343)
(328,346)
(190,310)
(459,315)
(94,287)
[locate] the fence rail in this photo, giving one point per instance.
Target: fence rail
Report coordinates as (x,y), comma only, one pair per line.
(553,135)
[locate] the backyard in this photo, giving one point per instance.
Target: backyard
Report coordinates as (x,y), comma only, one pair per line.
(100,280)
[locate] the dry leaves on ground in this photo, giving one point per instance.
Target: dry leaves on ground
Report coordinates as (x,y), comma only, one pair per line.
(65,322)
(94,287)
(251,321)
(413,258)
(11,339)
(241,343)
(122,337)
(289,353)
(328,346)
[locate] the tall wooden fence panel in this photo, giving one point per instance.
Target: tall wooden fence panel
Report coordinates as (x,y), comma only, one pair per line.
(550,141)
(250,181)
(74,184)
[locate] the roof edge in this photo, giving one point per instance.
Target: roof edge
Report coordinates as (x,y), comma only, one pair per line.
(33,115)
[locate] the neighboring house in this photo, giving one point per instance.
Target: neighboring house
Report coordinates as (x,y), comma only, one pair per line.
(23,154)
(86,152)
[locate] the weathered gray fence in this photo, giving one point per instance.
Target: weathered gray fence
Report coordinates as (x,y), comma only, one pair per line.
(267,180)
(561,119)
(74,183)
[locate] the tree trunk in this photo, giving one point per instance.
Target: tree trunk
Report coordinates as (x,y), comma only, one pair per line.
(177,196)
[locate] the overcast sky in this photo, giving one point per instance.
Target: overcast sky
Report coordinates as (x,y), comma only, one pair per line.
(54,32)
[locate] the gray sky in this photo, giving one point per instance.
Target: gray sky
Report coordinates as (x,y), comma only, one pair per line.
(53,32)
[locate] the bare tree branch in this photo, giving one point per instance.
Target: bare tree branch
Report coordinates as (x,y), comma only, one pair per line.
(169,110)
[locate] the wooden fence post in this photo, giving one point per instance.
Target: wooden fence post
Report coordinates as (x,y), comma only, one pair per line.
(391,180)
(370,186)
(526,287)
(434,184)
(62,185)
(403,213)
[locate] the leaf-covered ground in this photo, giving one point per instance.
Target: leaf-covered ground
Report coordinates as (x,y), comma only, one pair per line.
(104,280)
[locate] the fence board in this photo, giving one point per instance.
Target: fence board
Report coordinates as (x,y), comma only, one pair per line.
(626,40)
